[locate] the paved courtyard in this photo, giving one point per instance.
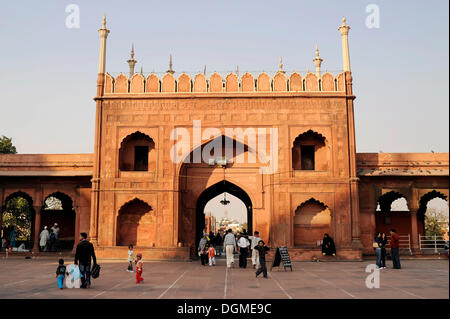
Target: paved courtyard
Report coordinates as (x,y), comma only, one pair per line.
(422,279)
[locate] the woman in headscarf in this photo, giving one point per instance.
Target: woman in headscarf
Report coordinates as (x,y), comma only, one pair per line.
(328,247)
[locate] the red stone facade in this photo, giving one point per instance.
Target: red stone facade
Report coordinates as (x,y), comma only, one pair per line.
(130,191)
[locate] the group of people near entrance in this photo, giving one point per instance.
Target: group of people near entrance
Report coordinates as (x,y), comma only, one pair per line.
(379,244)
(48,239)
(242,244)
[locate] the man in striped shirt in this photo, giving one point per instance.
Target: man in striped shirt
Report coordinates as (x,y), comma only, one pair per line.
(229,243)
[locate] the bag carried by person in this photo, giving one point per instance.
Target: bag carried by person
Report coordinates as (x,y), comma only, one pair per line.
(95,272)
(375,245)
(73,278)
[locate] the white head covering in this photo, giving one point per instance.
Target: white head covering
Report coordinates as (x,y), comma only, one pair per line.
(45,227)
(55,224)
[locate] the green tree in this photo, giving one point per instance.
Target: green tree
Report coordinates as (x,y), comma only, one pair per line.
(435,222)
(6,146)
(18,214)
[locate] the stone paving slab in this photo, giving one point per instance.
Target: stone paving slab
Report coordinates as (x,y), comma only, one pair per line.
(418,279)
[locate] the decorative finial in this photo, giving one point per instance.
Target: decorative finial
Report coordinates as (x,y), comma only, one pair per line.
(344,21)
(204,70)
(132,50)
(237,70)
(170,70)
(317,50)
(104,22)
(142,70)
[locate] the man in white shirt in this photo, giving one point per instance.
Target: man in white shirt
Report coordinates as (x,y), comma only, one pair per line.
(255,255)
(243,244)
(229,242)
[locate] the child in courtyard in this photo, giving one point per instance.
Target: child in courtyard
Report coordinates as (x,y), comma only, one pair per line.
(130,258)
(61,273)
(139,268)
(212,255)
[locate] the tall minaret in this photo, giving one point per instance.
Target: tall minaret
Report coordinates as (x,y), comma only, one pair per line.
(317,61)
(280,69)
(103,35)
(132,62)
(170,70)
(343,29)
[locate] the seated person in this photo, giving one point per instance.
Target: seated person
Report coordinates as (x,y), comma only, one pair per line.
(328,247)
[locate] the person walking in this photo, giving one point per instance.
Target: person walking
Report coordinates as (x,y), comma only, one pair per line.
(243,245)
(130,258)
(84,253)
(212,255)
(52,241)
(218,241)
(43,238)
(262,250)
(377,247)
(255,255)
(383,250)
(202,251)
(60,273)
(139,268)
(229,243)
(56,230)
(395,246)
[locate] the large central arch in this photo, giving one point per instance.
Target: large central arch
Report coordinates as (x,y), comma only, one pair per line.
(213,191)
(198,183)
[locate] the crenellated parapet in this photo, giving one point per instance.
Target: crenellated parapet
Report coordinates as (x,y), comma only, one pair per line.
(230,83)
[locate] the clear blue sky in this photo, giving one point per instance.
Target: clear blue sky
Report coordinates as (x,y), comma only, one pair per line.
(48,72)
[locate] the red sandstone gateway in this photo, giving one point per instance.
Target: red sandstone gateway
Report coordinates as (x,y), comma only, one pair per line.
(130,191)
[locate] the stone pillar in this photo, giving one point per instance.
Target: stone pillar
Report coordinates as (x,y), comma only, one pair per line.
(414,233)
(37,227)
(77,228)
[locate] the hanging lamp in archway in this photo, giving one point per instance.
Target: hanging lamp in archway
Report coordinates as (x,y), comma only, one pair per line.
(224,201)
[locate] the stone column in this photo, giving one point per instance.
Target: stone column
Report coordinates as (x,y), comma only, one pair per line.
(414,233)
(77,228)
(37,227)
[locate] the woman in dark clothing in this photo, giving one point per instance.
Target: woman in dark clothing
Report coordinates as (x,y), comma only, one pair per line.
(328,247)
(383,250)
(262,249)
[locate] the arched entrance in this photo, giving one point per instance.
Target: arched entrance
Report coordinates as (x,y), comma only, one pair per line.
(219,171)
(58,208)
(18,216)
(218,189)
